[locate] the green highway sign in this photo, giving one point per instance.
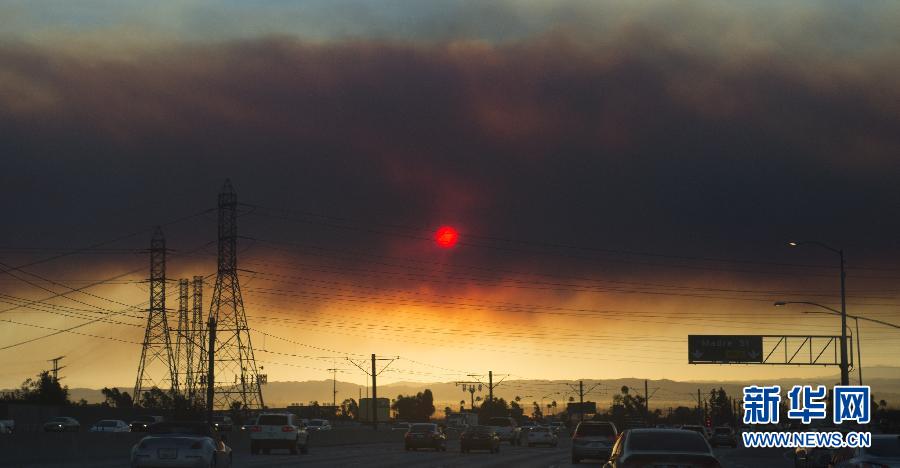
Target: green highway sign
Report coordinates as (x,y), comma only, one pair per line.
(725,349)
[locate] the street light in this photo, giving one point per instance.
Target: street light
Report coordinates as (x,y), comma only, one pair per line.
(845,373)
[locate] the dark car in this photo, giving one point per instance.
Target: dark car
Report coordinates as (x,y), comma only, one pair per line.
(479,438)
(424,435)
(143,423)
(593,439)
(222,423)
(62,424)
(884,452)
(724,436)
(662,447)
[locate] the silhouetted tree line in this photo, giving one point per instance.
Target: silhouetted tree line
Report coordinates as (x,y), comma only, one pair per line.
(417,408)
(43,390)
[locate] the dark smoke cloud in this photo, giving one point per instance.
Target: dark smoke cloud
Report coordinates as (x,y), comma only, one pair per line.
(632,142)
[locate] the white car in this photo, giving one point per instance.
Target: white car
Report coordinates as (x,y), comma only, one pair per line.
(110,425)
(539,435)
(318,425)
(278,431)
(181,444)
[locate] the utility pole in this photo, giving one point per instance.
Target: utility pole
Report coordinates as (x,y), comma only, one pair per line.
(374,395)
(699,405)
(581,398)
(211,372)
(491,386)
(56,367)
(334,386)
(374,374)
(646,399)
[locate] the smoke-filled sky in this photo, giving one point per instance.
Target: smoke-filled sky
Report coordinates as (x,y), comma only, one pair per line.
(622,174)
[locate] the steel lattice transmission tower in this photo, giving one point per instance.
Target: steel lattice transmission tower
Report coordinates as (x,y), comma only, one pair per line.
(197,357)
(157,365)
(183,344)
(237,378)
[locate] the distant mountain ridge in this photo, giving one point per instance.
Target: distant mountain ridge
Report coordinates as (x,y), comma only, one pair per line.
(665,393)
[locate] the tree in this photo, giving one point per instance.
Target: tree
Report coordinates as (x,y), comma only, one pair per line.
(720,409)
(491,409)
(43,390)
(116,398)
(348,409)
(415,408)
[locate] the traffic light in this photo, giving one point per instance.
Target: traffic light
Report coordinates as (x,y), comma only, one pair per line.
(708,421)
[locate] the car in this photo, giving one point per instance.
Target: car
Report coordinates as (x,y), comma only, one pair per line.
(143,423)
(62,424)
(181,444)
(318,425)
(662,447)
(425,435)
(110,425)
(506,429)
(400,426)
(249,422)
(724,435)
(884,452)
(539,435)
(278,431)
(557,427)
(812,457)
(222,423)
(7,426)
(479,438)
(593,439)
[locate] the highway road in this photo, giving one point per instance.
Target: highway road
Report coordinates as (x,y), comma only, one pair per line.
(393,455)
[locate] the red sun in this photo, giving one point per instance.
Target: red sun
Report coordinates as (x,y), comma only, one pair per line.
(446,237)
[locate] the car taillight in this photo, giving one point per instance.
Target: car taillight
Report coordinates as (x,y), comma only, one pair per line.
(255,429)
(287,429)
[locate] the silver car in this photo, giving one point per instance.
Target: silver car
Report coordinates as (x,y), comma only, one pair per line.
(593,439)
(191,444)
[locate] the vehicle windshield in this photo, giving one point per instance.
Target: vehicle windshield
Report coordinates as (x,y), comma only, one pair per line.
(667,441)
(189,427)
(60,420)
(218,418)
(273,420)
(888,447)
(107,424)
(423,428)
(316,422)
(604,430)
(500,422)
(723,430)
